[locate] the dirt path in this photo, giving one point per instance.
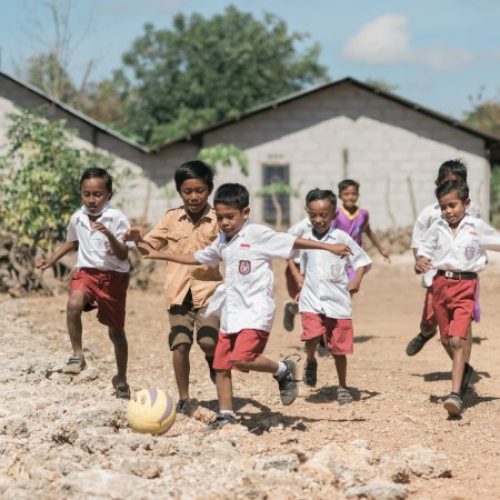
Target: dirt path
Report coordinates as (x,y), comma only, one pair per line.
(67,438)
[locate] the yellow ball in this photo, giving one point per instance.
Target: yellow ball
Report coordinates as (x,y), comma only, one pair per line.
(151,411)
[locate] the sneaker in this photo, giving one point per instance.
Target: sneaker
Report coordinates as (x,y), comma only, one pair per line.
(468,371)
(344,396)
(74,365)
(453,405)
(289,390)
(310,376)
(183,407)
(221,420)
(212,371)
(417,343)
(289,315)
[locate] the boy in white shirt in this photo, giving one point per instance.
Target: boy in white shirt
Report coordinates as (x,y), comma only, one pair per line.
(101,278)
(449,170)
(325,297)
(455,245)
(245,301)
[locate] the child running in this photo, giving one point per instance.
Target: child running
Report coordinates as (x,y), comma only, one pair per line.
(325,298)
(449,170)
(183,231)
(245,300)
(101,278)
(355,220)
(455,245)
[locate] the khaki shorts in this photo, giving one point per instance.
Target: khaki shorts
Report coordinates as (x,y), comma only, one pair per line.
(185,321)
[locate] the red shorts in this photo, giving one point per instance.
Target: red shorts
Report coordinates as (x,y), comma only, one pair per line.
(104,290)
(453,302)
(428,321)
(291,285)
(338,333)
(246,345)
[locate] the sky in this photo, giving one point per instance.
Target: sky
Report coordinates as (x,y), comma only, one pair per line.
(438,53)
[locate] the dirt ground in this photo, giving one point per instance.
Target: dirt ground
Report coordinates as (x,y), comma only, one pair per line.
(55,432)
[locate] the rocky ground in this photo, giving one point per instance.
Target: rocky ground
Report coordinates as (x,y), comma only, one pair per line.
(63,437)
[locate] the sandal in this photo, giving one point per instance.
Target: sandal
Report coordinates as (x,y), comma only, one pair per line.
(122,389)
(417,343)
(344,396)
(74,365)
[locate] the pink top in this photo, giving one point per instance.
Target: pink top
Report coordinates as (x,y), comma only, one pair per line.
(352,224)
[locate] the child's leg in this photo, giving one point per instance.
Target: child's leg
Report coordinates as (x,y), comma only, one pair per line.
(120,344)
(259,364)
(341,366)
(74,310)
(458,364)
(311,346)
(182,368)
(224,390)
(207,334)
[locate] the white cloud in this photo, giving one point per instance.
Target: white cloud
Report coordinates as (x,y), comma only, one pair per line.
(384,40)
(387,40)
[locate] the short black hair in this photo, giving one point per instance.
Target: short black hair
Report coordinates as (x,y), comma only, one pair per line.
(93,172)
(232,195)
(348,183)
(321,194)
(452,167)
(447,187)
(194,169)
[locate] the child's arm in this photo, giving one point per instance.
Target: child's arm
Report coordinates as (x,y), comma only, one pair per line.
(426,250)
(338,249)
(148,252)
(119,248)
(58,254)
(355,284)
(374,239)
(295,272)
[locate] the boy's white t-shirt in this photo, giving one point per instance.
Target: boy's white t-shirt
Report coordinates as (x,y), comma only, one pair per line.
(427,217)
(245,299)
(325,289)
(464,251)
(94,250)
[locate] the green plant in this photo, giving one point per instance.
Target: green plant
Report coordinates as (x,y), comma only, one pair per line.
(225,155)
(274,190)
(40,175)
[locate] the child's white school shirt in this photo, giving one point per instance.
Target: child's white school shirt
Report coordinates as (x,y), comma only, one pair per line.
(245,298)
(325,288)
(429,215)
(463,251)
(94,249)
(299,230)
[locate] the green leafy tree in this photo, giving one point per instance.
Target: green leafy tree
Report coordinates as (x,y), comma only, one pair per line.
(179,80)
(484,115)
(40,175)
(382,85)
(224,155)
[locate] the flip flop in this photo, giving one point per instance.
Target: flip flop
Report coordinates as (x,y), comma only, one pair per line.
(122,390)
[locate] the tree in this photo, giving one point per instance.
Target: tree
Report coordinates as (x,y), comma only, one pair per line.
(225,155)
(485,113)
(382,84)
(40,175)
(179,80)
(275,191)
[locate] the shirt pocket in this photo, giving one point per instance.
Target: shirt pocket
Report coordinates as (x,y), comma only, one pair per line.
(99,244)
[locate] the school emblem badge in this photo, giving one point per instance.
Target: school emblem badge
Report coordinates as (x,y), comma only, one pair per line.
(245,266)
(470,252)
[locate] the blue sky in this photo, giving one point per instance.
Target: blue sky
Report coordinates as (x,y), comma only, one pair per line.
(437,52)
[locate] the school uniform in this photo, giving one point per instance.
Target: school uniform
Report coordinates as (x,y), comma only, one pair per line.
(244,301)
(100,275)
(325,302)
(457,258)
(430,214)
(298,230)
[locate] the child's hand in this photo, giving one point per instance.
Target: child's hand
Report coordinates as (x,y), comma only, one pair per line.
(133,234)
(340,249)
(101,228)
(148,252)
(44,264)
(422,265)
(385,255)
(354,287)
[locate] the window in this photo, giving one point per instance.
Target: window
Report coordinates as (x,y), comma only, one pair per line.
(276,207)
